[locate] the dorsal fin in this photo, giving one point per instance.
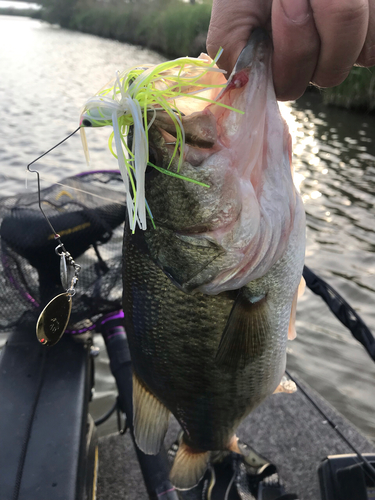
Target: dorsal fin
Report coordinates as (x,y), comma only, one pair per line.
(244,336)
(150,419)
(299,292)
(292,334)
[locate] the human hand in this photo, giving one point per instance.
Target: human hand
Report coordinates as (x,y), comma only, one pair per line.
(314,40)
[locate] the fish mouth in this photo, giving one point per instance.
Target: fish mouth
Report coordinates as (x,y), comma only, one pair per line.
(200,128)
(251,68)
(215,132)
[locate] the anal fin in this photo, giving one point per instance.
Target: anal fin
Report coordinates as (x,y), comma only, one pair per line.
(150,419)
(245,334)
(188,467)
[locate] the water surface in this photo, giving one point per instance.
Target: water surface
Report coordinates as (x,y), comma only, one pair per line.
(48,73)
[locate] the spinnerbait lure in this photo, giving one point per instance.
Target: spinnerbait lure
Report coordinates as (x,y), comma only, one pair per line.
(131,98)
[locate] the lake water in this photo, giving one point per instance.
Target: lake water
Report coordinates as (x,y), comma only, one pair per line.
(48,73)
(5,4)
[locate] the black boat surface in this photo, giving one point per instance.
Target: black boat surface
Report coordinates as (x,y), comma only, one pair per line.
(286,429)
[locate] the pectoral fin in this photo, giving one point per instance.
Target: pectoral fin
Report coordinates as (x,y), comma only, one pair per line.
(150,419)
(244,337)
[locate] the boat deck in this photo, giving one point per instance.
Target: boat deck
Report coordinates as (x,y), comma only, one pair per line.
(286,429)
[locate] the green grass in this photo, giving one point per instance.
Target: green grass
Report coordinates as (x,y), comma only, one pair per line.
(179,30)
(175,29)
(356,92)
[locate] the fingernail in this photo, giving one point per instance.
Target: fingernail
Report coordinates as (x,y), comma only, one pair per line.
(296,10)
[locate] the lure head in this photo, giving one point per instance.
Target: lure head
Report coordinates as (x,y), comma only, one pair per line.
(97,113)
(96,116)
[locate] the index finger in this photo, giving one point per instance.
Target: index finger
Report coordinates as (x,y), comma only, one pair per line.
(231,25)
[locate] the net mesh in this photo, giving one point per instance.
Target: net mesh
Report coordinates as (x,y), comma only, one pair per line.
(88,212)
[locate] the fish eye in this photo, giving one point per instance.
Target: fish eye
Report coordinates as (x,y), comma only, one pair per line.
(86,123)
(152,155)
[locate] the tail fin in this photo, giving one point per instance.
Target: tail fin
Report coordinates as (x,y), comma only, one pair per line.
(188,467)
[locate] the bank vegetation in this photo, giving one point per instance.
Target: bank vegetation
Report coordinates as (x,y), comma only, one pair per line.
(174,28)
(356,92)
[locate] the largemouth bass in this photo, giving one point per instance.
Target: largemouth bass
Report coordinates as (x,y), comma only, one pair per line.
(210,292)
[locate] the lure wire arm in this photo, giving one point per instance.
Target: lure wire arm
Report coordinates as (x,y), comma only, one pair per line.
(60,249)
(57,236)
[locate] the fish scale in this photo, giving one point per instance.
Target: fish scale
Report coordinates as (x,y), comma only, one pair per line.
(208,292)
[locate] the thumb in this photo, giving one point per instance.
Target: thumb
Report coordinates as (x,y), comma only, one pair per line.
(296,47)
